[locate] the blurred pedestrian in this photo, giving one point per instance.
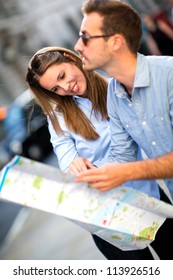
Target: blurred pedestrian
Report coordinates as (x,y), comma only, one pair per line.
(161,34)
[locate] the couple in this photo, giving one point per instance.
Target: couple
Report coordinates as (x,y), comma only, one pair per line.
(98,130)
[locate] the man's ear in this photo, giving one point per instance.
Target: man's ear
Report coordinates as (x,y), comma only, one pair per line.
(70,56)
(118,41)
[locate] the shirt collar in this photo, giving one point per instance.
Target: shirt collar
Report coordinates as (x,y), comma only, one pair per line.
(142,76)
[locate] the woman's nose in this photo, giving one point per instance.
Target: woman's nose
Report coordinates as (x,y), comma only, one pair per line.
(65,86)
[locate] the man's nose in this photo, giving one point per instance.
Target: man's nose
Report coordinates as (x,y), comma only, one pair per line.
(78,46)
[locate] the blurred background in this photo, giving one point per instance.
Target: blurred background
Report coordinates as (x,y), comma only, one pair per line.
(25,27)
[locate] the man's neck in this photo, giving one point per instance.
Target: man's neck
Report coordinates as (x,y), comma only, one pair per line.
(123,70)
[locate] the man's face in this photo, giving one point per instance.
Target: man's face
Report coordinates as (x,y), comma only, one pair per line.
(94,52)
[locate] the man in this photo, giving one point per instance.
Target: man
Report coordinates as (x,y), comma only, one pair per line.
(140,103)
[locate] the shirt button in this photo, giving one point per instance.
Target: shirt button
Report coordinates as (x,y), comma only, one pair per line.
(144,123)
(130,105)
(162,118)
(127,125)
(153,143)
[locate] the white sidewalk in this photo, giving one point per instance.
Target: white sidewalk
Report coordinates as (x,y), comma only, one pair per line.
(37,235)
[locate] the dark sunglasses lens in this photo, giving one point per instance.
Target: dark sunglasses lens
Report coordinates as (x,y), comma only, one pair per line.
(84,41)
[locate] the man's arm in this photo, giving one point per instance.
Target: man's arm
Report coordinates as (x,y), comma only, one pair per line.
(115,174)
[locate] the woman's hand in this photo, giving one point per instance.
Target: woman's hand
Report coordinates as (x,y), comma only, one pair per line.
(79,165)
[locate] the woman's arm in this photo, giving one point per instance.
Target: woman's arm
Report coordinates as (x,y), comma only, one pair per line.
(63,146)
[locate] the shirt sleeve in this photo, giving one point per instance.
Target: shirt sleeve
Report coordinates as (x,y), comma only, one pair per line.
(122,147)
(170,90)
(63,145)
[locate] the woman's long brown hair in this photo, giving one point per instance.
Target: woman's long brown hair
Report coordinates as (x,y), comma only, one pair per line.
(50,102)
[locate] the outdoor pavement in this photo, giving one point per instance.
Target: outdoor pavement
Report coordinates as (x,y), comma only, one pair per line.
(37,235)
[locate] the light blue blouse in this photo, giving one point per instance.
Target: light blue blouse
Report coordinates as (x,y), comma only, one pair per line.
(69,146)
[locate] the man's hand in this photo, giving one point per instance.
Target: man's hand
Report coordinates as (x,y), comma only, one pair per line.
(113,175)
(106,177)
(79,165)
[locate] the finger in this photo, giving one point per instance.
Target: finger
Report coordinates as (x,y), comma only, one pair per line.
(74,168)
(98,185)
(83,166)
(91,172)
(89,165)
(73,171)
(80,164)
(85,177)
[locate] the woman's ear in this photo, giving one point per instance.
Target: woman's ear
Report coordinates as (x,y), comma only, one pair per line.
(70,56)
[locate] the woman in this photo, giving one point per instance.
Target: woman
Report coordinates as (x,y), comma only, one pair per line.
(74,101)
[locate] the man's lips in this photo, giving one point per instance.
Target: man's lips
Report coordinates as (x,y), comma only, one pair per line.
(82,57)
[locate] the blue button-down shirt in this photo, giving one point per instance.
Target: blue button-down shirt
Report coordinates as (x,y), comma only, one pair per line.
(147,118)
(70,145)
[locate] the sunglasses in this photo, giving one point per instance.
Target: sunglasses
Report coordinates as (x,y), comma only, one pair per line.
(85,38)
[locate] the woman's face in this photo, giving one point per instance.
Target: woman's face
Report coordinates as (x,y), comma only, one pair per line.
(64,79)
